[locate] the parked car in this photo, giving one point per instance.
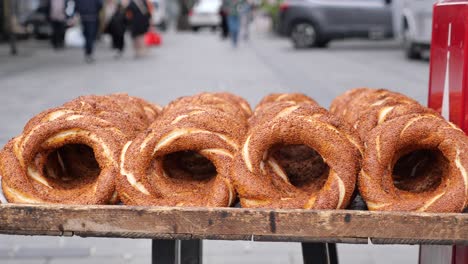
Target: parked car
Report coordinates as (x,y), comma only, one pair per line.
(159,16)
(205,13)
(413,25)
(37,22)
(314,23)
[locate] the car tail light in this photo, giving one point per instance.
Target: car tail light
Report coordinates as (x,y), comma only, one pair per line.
(190,13)
(284,6)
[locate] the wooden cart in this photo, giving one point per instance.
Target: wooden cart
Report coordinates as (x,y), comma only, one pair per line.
(177,233)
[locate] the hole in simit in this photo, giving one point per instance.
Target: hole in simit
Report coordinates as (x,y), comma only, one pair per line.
(303,165)
(188,165)
(420,170)
(71,162)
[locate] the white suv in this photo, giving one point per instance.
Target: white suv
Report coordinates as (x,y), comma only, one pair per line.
(159,15)
(413,23)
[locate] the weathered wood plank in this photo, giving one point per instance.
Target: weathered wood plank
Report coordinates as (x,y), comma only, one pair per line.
(343,226)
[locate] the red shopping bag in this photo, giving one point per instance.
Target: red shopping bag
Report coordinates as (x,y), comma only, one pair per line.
(153,38)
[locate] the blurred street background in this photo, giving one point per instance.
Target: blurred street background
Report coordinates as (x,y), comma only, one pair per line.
(187,62)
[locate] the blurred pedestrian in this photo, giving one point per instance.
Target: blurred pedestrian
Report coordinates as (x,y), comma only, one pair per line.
(58,19)
(224,23)
(115,20)
(89,15)
(139,18)
(234,9)
(246,19)
(185,6)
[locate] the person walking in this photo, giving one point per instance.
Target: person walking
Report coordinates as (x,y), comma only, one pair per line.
(139,18)
(58,20)
(89,15)
(234,9)
(246,19)
(224,23)
(115,25)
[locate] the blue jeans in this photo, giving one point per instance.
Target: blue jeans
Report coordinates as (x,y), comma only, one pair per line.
(90,30)
(234,27)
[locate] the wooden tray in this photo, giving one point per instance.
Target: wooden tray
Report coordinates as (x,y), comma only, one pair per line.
(340,226)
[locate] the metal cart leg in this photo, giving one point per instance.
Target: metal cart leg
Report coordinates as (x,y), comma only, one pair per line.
(163,251)
(191,252)
(319,253)
(433,254)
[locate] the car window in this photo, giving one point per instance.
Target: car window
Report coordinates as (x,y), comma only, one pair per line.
(209,3)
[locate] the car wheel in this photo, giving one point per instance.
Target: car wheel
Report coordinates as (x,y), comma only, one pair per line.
(305,35)
(411,49)
(195,29)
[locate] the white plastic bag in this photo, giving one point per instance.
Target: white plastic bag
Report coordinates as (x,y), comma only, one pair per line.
(74,37)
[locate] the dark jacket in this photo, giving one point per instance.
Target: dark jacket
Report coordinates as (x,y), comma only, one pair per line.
(88,9)
(139,17)
(117,23)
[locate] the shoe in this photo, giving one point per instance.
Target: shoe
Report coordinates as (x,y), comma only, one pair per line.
(118,55)
(89,59)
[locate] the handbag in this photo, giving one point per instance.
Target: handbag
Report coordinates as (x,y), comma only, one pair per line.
(153,38)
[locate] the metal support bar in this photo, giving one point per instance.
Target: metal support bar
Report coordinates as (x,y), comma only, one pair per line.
(319,253)
(177,251)
(163,251)
(191,252)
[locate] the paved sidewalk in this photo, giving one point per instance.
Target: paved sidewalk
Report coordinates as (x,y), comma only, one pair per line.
(52,250)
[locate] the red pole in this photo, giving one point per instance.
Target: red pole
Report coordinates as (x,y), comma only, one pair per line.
(448,93)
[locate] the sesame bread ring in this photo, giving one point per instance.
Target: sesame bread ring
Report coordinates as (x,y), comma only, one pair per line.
(438,182)
(70,154)
(273,104)
(377,115)
(30,174)
(116,108)
(285,97)
(203,116)
(159,167)
(225,102)
(339,106)
(118,119)
(299,161)
(354,103)
(280,109)
(238,100)
(270,110)
(262,183)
